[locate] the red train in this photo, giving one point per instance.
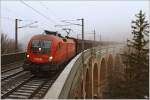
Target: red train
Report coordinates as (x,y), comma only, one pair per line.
(46,52)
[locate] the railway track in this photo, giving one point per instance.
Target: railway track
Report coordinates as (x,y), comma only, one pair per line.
(11,73)
(19,84)
(27,86)
(10,83)
(14,77)
(12,66)
(11,70)
(32,87)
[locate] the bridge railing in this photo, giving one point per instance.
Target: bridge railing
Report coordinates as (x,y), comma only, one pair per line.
(12,57)
(62,86)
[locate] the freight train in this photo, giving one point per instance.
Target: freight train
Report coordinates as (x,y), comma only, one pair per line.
(49,51)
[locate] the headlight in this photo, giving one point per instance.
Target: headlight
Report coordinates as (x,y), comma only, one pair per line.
(50,58)
(40,49)
(28,56)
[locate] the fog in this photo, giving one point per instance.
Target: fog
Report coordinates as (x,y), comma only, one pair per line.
(110,19)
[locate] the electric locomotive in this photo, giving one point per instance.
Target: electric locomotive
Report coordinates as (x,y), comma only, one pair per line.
(48,51)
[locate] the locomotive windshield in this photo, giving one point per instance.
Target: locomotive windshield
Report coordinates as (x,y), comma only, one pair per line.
(41,46)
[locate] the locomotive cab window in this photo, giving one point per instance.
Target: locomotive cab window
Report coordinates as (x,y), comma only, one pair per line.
(41,46)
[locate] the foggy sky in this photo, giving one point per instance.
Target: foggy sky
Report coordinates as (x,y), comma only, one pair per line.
(111,19)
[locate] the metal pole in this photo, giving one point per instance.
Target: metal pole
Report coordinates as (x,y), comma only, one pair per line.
(100,41)
(82,41)
(16,35)
(94,39)
(94,43)
(83,53)
(100,37)
(94,35)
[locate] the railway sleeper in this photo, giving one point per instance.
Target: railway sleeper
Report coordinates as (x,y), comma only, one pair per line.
(17,96)
(28,90)
(32,86)
(21,93)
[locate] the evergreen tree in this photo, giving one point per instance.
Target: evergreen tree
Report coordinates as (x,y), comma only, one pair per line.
(135,83)
(137,69)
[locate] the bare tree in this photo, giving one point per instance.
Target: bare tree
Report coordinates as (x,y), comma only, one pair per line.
(8,45)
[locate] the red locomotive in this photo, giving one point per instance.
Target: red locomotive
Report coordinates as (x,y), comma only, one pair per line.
(46,52)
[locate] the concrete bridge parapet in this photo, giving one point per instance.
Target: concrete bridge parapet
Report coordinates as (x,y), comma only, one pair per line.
(87,80)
